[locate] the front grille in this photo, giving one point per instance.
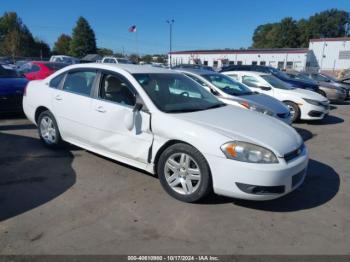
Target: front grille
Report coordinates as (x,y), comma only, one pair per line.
(294,154)
(297,178)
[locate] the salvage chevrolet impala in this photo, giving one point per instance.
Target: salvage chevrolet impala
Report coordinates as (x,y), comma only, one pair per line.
(163,122)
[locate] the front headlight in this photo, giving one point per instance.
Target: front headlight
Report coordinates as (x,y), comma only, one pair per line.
(313,102)
(246,152)
(257,108)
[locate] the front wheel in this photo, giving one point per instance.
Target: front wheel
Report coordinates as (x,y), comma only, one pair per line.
(48,130)
(294,110)
(184,173)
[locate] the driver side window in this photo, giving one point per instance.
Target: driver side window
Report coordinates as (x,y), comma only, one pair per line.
(115,89)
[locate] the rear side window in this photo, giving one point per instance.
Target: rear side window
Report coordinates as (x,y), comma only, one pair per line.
(115,89)
(80,82)
(55,82)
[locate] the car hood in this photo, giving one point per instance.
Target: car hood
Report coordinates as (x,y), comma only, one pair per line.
(268,102)
(343,85)
(329,85)
(244,125)
(302,93)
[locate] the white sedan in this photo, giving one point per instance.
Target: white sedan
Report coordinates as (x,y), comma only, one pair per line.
(163,122)
(303,104)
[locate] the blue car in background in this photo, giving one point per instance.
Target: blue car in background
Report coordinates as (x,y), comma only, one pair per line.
(12,86)
(277,73)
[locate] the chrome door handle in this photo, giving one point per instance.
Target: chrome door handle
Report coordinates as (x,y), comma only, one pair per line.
(101,109)
(58,97)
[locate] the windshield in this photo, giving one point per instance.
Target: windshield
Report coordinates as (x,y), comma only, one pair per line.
(176,93)
(7,72)
(277,83)
(320,78)
(303,77)
(280,74)
(227,85)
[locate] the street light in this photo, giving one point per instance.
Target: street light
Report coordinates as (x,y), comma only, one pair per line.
(171,23)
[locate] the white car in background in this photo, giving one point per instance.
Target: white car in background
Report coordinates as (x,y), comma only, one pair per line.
(115,60)
(234,93)
(303,104)
(64,59)
(165,123)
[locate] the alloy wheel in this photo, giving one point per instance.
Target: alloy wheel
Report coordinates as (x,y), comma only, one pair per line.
(48,130)
(182,173)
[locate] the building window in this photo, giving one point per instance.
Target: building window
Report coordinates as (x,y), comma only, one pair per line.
(344,54)
(216,63)
(289,65)
(231,63)
(224,62)
(280,65)
(262,63)
(239,63)
(254,63)
(205,63)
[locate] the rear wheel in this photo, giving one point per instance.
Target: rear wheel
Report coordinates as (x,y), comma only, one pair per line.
(294,110)
(184,173)
(48,130)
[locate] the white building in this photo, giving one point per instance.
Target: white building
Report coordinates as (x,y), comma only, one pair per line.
(324,54)
(330,53)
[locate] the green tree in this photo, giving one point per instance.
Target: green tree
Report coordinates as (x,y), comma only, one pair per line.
(291,33)
(147,59)
(62,45)
(104,52)
(42,49)
(262,36)
(83,39)
(329,23)
(134,58)
(15,37)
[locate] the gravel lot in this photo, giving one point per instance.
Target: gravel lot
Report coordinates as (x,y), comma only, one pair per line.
(75,202)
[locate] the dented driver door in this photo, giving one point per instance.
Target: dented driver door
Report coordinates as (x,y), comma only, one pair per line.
(113,132)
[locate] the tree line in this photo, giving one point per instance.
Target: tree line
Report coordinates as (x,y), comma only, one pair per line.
(290,33)
(16,40)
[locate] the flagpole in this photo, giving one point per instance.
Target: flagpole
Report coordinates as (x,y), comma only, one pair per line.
(137,42)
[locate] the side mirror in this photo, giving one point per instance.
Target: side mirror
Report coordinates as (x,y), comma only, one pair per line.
(265,88)
(137,107)
(129,119)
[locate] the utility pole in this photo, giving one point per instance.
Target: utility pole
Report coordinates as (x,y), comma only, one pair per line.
(171,23)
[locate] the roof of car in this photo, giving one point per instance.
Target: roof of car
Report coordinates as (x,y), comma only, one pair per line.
(196,71)
(247,72)
(130,68)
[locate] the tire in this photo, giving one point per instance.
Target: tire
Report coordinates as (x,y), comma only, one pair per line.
(48,130)
(294,110)
(174,165)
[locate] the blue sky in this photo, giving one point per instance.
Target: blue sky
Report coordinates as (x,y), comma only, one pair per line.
(199,24)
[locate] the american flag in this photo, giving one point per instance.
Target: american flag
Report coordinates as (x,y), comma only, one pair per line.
(132,29)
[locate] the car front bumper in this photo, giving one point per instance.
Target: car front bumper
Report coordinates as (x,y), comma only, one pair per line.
(313,112)
(257,181)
